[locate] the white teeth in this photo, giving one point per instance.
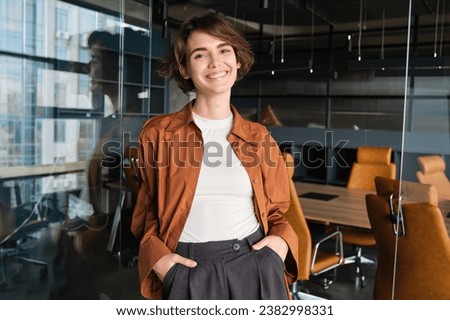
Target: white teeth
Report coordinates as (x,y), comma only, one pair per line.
(217,75)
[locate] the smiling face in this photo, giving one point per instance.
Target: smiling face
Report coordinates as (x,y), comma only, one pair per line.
(210,63)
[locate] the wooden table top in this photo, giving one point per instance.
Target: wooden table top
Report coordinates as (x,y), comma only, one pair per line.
(347,208)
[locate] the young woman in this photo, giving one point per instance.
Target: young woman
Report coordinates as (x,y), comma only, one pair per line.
(209,213)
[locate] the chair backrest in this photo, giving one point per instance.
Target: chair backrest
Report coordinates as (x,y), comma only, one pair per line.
(298,222)
(370,163)
(432,171)
(131,169)
(411,191)
(423,254)
(269,118)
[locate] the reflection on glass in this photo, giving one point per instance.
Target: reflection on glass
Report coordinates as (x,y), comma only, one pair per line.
(68,97)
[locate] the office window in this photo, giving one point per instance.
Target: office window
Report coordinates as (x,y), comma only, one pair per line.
(56,114)
(60,95)
(60,131)
(11,25)
(61,20)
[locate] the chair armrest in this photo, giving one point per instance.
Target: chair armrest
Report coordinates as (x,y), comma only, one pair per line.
(29,215)
(337,236)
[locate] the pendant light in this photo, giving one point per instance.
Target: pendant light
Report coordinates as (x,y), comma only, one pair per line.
(165,27)
(311,60)
(382,35)
(273,45)
(360,28)
(282,31)
(436,29)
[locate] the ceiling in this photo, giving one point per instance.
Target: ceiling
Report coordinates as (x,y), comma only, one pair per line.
(300,12)
(299,29)
(296,27)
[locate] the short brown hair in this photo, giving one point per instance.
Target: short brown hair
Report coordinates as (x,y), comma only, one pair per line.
(216,26)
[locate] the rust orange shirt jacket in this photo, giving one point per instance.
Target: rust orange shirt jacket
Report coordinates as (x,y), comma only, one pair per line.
(170,156)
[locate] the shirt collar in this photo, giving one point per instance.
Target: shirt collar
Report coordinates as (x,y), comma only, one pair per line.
(240,127)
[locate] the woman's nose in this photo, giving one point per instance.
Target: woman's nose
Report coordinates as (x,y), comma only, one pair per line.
(213,61)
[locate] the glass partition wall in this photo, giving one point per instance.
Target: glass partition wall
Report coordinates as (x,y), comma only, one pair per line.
(423,226)
(377,76)
(77,82)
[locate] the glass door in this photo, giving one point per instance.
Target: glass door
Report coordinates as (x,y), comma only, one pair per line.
(422,244)
(77,82)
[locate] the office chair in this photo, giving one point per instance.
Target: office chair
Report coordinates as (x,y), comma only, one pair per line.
(19,225)
(370,163)
(269,118)
(422,257)
(432,171)
(411,191)
(311,261)
(132,183)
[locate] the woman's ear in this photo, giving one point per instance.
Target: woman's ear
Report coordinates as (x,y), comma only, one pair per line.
(183,72)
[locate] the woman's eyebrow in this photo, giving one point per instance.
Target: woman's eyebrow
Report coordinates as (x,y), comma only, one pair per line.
(221,45)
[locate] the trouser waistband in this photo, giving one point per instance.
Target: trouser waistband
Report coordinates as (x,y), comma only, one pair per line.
(218,248)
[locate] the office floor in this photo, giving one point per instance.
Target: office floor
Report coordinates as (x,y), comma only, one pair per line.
(98,274)
(345,285)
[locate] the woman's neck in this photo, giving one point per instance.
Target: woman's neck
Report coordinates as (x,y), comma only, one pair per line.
(212,108)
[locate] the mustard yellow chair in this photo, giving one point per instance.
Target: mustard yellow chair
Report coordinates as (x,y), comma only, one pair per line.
(269,118)
(432,171)
(312,261)
(422,256)
(411,191)
(370,163)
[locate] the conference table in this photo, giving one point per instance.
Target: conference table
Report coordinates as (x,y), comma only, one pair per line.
(331,204)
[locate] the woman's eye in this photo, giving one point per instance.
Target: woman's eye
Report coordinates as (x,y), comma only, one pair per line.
(226,50)
(199,56)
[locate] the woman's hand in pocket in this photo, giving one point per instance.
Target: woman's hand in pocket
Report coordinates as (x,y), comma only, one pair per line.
(163,265)
(275,243)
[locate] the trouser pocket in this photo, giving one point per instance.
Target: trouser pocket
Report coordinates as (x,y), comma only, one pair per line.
(168,279)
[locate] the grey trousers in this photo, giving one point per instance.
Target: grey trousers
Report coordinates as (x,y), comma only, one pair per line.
(227,270)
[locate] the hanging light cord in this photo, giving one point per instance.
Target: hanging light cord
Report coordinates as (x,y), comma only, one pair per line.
(436,28)
(274,31)
(282,31)
(382,34)
(311,62)
(442,28)
(360,29)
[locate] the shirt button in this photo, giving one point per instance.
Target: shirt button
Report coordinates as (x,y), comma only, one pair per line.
(255,180)
(236,246)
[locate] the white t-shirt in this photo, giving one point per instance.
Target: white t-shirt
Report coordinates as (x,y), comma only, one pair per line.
(222,208)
